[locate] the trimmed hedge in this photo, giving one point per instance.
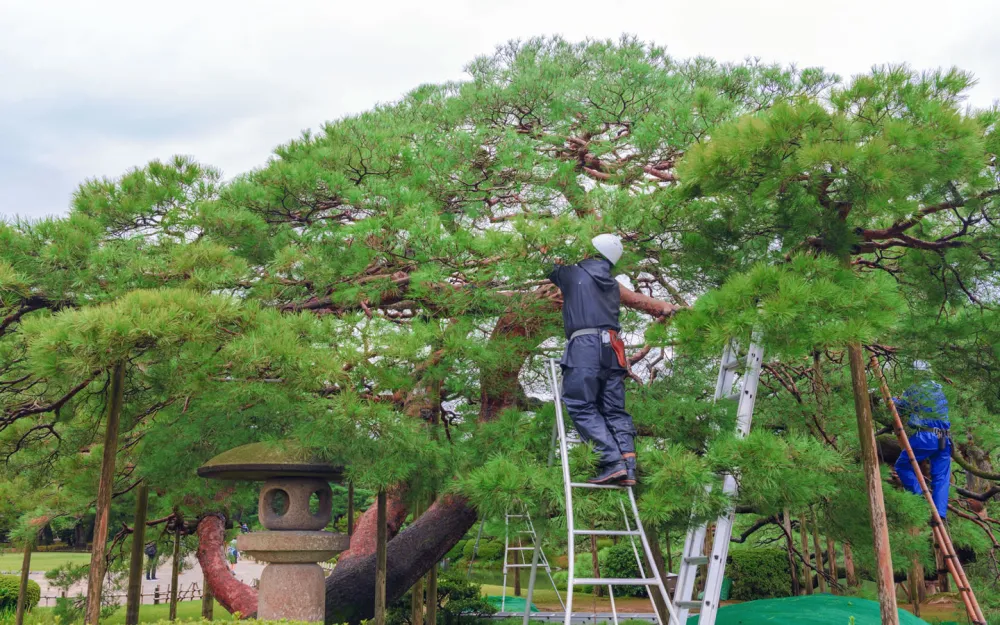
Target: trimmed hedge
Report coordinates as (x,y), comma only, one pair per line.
(9,585)
(619,561)
(489,550)
(759,574)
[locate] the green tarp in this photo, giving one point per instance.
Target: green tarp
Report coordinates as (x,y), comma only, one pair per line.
(513,604)
(809,610)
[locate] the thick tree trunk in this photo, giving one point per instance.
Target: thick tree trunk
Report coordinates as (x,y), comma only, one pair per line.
(850,573)
(22,589)
(382,541)
(819,553)
(95,581)
(134,598)
(793,568)
(806,571)
(873,479)
(233,595)
(365,537)
(175,569)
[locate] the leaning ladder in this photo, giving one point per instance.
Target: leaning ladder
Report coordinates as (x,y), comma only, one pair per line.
(654,582)
(693,556)
(519,561)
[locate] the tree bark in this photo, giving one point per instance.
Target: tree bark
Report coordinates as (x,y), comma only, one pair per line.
(596,563)
(105,486)
(819,552)
(22,589)
(233,595)
(873,479)
(380,555)
(652,534)
(350,508)
(789,547)
(134,598)
(851,574)
(417,595)
(432,594)
(831,556)
(944,585)
(175,569)
(806,572)
(207,601)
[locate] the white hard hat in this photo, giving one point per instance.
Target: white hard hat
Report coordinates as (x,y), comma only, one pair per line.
(609,246)
(921,365)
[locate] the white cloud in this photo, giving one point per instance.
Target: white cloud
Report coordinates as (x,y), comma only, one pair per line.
(226,81)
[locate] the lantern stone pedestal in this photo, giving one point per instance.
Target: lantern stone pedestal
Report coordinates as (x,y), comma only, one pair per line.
(295,505)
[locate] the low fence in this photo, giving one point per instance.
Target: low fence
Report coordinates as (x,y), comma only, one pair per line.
(159,595)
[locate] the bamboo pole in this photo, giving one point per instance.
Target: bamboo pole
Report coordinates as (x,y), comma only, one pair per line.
(22,589)
(884,579)
(793,570)
(175,568)
(803,534)
(937,524)
(105,486)
(380,558)
(819,552)
(207,601)
(134,597)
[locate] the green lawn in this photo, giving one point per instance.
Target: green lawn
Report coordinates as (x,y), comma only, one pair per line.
(42,561)
(186,611)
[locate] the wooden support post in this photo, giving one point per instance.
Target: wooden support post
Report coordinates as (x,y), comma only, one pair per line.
(381,541)
(942,570)
(595,563)
(873,481)
(156,595)
(831,555)
(806,571)
(175,568)
(134,596)
(793,569)
(417,595)
(350,508)
(819,552)
(22,589)
(95,580)
(852,575)
(653,536)
(432,595)
(207,601)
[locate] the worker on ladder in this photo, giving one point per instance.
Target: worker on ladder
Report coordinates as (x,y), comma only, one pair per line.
(927,408)
(594,365)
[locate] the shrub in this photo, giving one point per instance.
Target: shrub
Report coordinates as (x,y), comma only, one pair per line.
(458,600)
(9,585)
(619,561)
(489,550)
(759,574)
(458,551)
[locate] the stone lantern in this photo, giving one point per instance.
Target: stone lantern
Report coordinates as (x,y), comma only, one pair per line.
(295,505)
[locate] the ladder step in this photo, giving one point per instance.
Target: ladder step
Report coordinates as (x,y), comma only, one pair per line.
(733,397)
(690,605)
(520,548)
(731,365)
(620,581)
(696,560)
(589,485)
(520,566)
(516,516)
(607,533)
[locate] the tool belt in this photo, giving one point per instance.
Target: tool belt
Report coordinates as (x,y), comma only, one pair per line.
(612,346)
(942,435)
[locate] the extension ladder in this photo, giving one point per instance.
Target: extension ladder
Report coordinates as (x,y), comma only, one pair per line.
(653,581)
(941,536)
(693,556)
(519,560)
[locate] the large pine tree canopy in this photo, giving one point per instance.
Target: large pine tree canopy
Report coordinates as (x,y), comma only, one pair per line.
(377,292)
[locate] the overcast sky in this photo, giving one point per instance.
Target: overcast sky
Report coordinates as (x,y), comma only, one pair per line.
(93,88)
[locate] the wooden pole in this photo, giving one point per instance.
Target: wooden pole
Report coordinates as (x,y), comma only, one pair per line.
(806,572)
(793,569)
(134,596)
(819,552)
(350,508)
(22,590)
(380,556)
(942,570)
(175,568)
(207,601)
(852,576)
(873,480)
(105,486)
(937,524)
(831,554)
(653,536)
(595,562)
(432,595)
(417,595)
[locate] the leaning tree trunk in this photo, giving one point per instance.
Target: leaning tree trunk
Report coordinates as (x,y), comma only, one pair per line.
(22,589)
(95,581)
(873,478)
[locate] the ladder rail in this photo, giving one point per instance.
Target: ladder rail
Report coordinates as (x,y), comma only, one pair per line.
(941,535)
(567,491)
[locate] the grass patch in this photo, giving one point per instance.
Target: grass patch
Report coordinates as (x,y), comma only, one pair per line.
(42,560)
(186,611)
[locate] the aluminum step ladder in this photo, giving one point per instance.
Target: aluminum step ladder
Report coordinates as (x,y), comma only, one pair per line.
(519,560)
(693,555)
(633,530)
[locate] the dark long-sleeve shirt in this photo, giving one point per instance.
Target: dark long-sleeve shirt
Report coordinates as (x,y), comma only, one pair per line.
(591,298)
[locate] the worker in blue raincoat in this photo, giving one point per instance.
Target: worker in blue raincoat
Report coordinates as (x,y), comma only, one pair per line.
(925,408)
(594,365)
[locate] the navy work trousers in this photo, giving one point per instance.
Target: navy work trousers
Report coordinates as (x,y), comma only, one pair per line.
(927,446)
(595,399)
